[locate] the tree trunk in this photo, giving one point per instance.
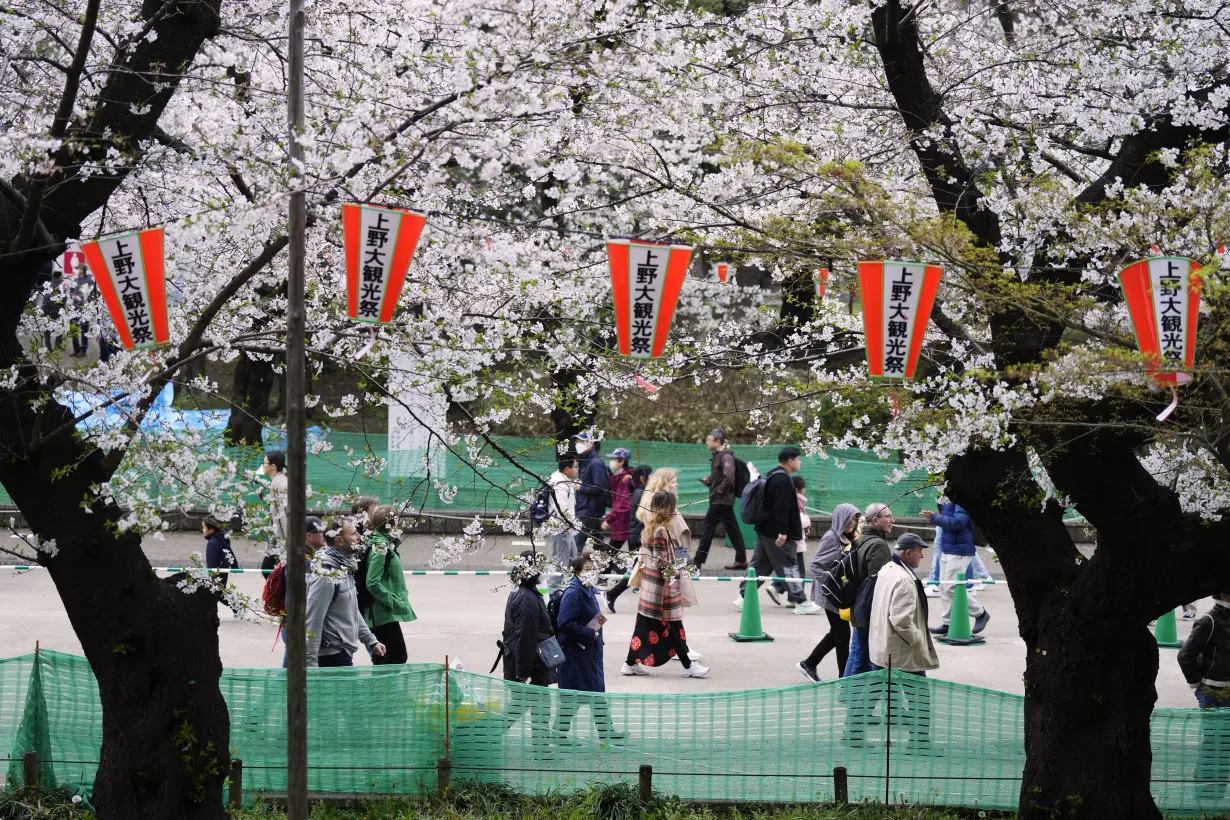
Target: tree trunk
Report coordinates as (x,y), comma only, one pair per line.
(567,417)
(251,400)
(153,649)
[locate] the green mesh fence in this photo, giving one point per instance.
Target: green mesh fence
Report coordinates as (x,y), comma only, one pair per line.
(383,730)
(847,476)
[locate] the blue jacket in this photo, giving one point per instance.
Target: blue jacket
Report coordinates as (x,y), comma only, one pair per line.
(218,553)
(594,486)
(958,535)
(582,669)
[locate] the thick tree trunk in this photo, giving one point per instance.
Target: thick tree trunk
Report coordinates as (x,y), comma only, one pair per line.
(251,400)
(153,649)
(567,418)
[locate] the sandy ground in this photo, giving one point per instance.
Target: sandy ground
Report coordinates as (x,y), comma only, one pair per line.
(462,617)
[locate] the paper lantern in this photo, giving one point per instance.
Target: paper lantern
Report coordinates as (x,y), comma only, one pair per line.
(72,259)
(645,279)
(380,243)
(722,269)
(129,271)
(897,301)
(822,282)
(1163,298)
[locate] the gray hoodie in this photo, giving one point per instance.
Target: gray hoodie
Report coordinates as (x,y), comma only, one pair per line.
(333,622)
(831,545)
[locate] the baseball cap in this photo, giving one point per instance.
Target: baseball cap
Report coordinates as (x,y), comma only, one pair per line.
(909,541)
(314,525)
(621,453)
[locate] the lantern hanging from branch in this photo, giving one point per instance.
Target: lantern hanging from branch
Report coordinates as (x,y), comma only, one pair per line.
(1163,298)
(129,271)
(897,300)
(822,282)
(722,269)
(380,243)
(645,279)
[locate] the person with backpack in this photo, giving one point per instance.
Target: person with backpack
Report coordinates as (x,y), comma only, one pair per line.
(841,535)
(778,525)
(725,482)
(560,498)
(956,552)
(578,624)
(1204,660)
(219,555)
(593,491)
(383,596)
(869,554)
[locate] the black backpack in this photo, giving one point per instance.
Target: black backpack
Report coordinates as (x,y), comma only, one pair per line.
(553,608)
(841,581)
(860,613)
(540,507)
(366,599)
(751,507)
(743,476)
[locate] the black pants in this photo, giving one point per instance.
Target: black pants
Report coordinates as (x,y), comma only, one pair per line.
(772,561)
(591,527)
(621,586)
(394,644)
(267,565)
(720,514)
(837,639)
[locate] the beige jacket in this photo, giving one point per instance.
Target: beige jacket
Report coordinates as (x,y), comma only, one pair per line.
(898,629)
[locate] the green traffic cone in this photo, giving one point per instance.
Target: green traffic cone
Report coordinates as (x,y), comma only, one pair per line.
(749,625)
(958,621)
(1166,632)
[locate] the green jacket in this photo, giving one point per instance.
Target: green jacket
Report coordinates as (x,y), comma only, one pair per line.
(390,600)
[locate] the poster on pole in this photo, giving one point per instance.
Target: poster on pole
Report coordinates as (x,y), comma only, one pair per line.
(897,300)
(645,279)
(380,245)
(1163,298)
(130,273)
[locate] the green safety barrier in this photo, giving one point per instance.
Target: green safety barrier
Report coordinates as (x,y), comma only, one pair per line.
(382,730)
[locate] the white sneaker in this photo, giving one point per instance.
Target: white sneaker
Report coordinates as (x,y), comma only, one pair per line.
(808,608)
(693,655)
(774,595)
(633,670)
(695,671)
(931,591)
(738,602)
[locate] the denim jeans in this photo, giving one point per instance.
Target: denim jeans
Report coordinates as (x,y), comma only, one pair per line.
(860,654)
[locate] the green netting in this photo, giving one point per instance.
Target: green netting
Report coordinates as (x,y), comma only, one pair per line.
(383,730)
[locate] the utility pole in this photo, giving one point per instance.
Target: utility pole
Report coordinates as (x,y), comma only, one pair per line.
(296,449)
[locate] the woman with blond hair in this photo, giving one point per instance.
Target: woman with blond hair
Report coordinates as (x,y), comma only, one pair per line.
(662,480)
(659,636)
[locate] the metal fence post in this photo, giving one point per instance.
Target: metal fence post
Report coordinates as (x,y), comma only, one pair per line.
(841,787)
(235,794)
(645,786)
(888,732)
(29,769)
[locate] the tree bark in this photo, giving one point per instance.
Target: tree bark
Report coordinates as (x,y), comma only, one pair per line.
(251,400)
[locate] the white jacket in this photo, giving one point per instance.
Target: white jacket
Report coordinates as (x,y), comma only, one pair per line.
(565,490)
(898,628)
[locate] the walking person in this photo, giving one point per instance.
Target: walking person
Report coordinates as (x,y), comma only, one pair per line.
(899,638)
(662,480)
(956,553)
(579,629)
(593,491)
(722,497)
(219,556)
(1204,660)
(563,514)
(527,624)
(274,468)
(808,607)
(361,512)
(385,601)
(841,535)
(334,626)
(640,478)
(659,636)
(873,553)
(777,532)
(618,519)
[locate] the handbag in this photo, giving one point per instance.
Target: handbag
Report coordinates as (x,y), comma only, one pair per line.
(550,653)
(687,590)
(638,574)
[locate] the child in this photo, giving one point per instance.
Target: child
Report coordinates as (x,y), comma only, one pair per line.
(808,607)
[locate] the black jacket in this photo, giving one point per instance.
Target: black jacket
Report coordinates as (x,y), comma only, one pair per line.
(1205,656)
(526,624)
(636,527)
(781,507)
(594,486)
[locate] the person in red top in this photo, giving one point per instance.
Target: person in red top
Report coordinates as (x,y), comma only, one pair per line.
(619,519)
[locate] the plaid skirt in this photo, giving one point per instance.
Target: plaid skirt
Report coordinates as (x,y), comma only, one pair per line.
(655,642)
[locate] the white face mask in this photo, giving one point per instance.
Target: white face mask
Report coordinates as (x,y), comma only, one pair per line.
(584,446)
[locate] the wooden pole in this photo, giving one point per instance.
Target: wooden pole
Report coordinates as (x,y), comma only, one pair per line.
(235,795)
(841,786)
(444,774)
(29,769)
(645,785)
(296,467)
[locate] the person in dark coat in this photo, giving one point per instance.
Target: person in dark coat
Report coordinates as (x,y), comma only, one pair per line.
(593,489)
(636,527)
(579,628)
(218,553)
(781,527)
(527,624)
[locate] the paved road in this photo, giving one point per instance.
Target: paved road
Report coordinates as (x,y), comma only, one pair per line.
(462,617)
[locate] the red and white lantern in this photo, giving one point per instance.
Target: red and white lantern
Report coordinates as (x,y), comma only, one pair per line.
(645,279)
(722,270)
(897,301)
(73,260)
(1163,298)
(130,273)
(380,244)
(822,282)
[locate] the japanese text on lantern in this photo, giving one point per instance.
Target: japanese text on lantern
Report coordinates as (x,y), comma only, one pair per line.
(1171,298)
(131,293)
(380,244)
(649,267)
(903,281)
(375,263)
